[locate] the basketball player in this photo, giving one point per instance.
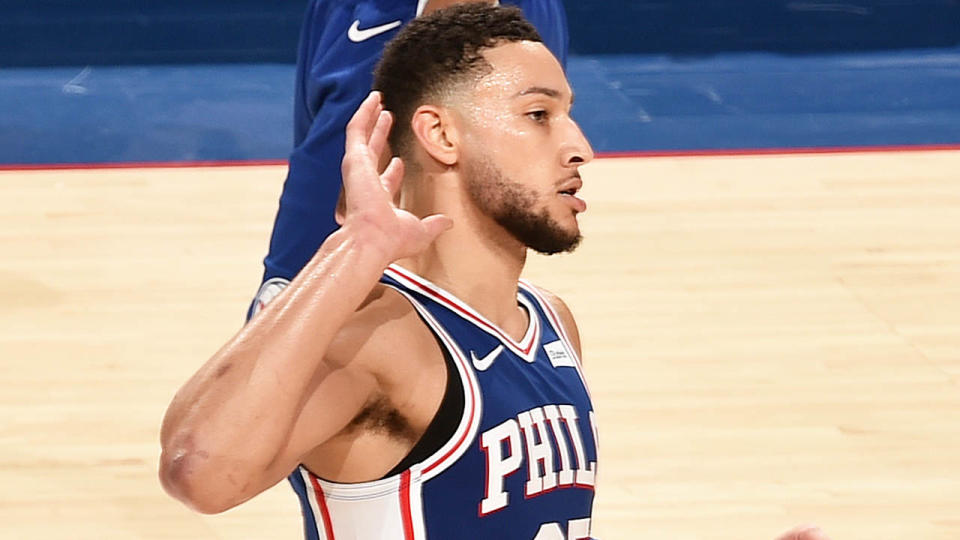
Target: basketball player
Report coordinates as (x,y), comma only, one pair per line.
(340,43)
(407,381)
(412,385)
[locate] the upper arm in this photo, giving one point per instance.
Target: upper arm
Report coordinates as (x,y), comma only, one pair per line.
(238,442)
(357,370)
(566,319)
(343,384)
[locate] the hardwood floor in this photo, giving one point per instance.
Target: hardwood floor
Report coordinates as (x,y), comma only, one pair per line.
(769,340)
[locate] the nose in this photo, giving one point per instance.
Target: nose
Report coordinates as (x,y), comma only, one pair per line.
(576,149)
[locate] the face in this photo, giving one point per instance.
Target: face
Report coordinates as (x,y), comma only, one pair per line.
(522,149)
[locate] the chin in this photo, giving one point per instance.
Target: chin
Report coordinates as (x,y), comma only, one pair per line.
(556,243)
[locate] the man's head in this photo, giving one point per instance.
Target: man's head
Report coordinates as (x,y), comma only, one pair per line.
(473,89)
(437,53)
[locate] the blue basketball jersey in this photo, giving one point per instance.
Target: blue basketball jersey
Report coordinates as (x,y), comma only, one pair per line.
(340,43)
(522,463)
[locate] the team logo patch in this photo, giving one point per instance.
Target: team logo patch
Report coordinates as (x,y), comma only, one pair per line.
(558,355)
(268,291)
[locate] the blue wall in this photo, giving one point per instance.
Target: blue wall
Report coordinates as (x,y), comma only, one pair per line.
(109,32)
(787,26)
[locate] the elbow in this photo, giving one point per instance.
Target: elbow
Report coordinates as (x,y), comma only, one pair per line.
(188,477)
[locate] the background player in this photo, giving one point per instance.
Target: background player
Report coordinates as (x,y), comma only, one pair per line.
(340,43)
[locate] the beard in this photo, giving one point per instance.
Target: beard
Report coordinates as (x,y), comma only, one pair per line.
(513,206)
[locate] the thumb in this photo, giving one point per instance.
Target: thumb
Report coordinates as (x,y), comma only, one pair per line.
(436,225)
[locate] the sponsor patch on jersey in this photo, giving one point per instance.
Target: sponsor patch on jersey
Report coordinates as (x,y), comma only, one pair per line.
(558,355)
(268,291)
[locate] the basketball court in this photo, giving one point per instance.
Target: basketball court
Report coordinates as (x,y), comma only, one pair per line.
(769,340)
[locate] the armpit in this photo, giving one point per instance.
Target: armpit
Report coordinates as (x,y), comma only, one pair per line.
(380,416)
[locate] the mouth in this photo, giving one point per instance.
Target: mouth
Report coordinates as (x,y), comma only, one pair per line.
(568,193)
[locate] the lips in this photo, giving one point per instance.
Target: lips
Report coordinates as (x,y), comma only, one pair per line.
(568,192)
(571,186)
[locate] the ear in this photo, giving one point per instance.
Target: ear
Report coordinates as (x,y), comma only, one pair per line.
(435,131)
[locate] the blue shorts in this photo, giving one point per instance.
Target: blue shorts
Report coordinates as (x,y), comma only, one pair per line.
(334,74)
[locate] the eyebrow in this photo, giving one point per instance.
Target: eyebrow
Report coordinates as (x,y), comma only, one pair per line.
(549,92)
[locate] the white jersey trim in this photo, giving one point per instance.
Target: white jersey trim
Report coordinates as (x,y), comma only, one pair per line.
(557,324)
(525,348)
(466,431)
(346,510)
(420,5)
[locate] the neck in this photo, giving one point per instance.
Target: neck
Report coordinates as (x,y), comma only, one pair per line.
(476,260)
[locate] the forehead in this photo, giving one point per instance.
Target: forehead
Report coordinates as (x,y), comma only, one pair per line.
(517,66)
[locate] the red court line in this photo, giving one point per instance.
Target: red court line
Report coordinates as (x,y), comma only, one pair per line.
(140,165)
(631,154)
(776,151)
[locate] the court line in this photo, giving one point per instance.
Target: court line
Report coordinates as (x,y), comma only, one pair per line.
(142,165)
(628,154)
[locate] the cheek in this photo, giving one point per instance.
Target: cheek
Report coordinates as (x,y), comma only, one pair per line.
(495,127)
(502,136)
(520,151)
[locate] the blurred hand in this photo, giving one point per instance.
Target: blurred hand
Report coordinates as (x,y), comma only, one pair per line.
(804,532)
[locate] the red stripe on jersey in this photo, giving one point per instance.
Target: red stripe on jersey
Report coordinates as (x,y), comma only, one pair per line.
(473,410)
(405,512)
(555,319)
(440,296)
(324,511)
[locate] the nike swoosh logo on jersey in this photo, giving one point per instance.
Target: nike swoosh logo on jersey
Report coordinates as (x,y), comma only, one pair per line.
(357,35)
(482,364)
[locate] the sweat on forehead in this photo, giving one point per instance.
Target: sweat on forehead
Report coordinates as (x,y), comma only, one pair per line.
(442,49)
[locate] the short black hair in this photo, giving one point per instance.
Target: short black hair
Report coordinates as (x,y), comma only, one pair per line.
(438,49)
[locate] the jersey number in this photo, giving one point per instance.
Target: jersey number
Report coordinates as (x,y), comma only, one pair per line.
(577,529)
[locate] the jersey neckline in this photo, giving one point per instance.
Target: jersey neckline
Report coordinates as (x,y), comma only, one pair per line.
(525,347)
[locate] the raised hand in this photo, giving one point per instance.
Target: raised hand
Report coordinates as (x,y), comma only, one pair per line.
(368,198)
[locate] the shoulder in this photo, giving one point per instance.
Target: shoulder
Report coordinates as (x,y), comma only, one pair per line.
(567,321)
(384,326)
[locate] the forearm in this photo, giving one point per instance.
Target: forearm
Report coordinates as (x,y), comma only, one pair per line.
(233,418)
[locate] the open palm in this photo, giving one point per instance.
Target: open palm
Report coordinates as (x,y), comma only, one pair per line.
(369,195)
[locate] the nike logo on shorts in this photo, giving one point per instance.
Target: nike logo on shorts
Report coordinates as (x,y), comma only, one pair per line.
(356,35)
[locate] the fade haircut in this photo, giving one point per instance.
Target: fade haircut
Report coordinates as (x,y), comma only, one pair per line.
(437,51)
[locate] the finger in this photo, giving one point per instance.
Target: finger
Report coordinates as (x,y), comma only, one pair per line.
(374,112)
(363,120)
(374,119)
(380,133)
(359,172)
(392,177)
(436,225)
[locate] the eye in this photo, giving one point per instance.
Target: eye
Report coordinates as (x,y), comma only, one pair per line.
(538,116)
